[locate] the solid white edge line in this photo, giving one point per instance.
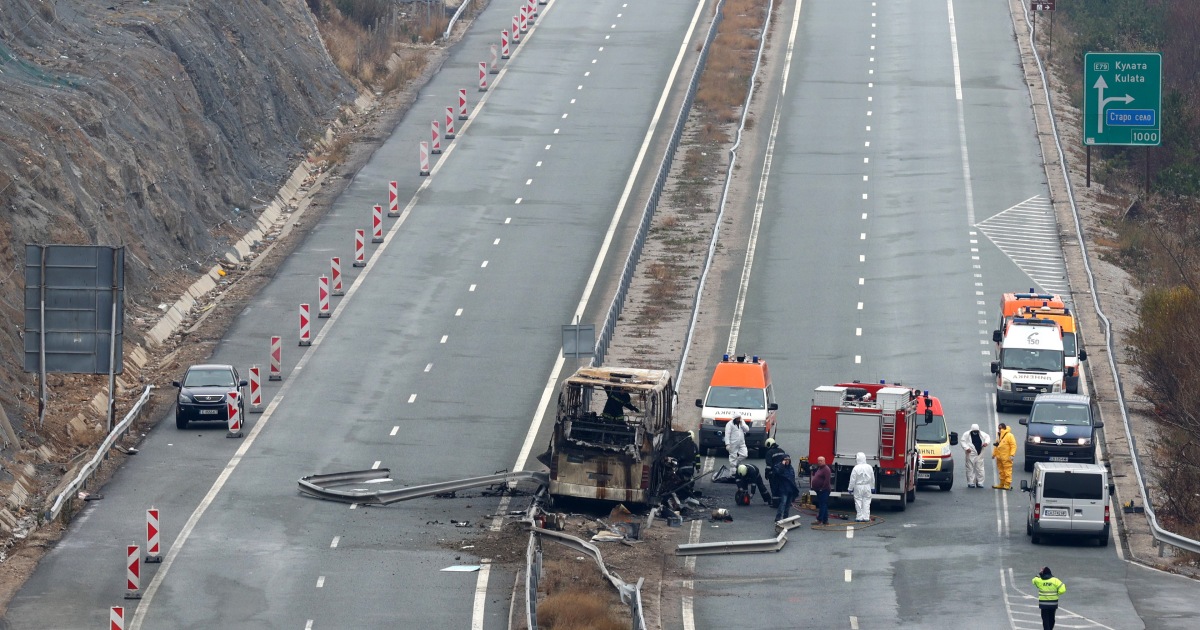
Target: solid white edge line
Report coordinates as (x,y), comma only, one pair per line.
(962,125)
(555,372)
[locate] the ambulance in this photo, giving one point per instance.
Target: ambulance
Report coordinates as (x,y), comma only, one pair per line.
(1072,352)
(1030,361)
(738,387)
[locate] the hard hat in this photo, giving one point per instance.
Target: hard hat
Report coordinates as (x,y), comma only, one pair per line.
(742,469)
(770,443)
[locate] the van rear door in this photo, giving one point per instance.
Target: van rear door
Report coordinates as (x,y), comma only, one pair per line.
(1073,501)
(1057,504)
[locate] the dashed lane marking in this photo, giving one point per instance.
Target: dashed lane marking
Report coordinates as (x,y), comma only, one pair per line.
(1023,612)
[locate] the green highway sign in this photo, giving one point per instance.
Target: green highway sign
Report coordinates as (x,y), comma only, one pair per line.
(1122,99)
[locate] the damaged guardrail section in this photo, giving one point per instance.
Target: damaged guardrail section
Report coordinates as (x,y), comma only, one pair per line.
(87,471)
(323,486)
(734,546)
(631,594)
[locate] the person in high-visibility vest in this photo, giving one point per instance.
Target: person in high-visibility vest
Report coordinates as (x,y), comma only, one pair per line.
(1049,589)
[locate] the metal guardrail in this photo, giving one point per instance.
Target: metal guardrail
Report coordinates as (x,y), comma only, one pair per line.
(716,233)
(533,574)
(454,18)
(322,486)
(101,454)
(733,546)
(605,335)
(631,594)
(1160,534)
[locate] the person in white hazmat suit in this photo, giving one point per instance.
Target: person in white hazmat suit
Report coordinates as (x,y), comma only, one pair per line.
(973,443)
(735,442)
(862,480)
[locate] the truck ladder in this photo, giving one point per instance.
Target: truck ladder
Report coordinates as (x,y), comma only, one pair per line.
(887,436)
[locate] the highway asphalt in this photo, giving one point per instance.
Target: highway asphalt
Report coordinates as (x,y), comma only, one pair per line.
(869,265)
(432,365)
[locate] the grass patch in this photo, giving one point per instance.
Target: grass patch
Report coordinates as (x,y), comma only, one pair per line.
(577,597)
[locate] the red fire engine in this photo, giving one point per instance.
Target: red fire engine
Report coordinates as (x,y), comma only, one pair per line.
(879,420)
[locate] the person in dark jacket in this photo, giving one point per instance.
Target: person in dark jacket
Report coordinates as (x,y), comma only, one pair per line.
(822,484)
(747,477)
(618,401)
(771,456)
(785,480)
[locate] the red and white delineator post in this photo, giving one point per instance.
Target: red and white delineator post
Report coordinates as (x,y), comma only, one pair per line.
(394,199)
(335,276)
(533,11)
(424,159)
(435,136)
(305,333)
(360,246)
(450,123)
(235,415)
(505,53)
(153,536)
(377,224)
(483,76)
(494,67)
(462,104)
(256,405)
(276,359)
(116,618)
(323,297)
(133,571)
(516,29)
(524,22)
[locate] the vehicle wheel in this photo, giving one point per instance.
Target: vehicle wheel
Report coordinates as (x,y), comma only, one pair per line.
(903,504)
(1037,540)
(999,406)
(1028,466)
(1103,539)
(180,423)
(912,495)
(1028,528)
(945,487)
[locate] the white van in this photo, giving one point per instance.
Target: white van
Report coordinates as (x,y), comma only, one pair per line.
(1068,500)
(1031,361)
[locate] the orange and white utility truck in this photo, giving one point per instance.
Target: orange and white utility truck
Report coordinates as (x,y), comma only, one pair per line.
(879,420)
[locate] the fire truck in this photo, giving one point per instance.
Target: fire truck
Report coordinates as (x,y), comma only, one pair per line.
(879,420)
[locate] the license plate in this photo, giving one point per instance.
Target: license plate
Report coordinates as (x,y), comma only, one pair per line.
(922,475)
(1028,398)
(1054,511)
(1059,459)
(205,412)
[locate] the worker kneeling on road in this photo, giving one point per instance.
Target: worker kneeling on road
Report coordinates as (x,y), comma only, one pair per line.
(748,478)
(862,480)
(771,458)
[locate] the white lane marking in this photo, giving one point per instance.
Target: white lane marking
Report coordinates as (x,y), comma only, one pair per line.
(857,358)
(868,127)
(428,367)
(1007,606)
(860,304)
(556,131)
(519,199)
(689,563)
(413,398)
(1063,613)
(593,61)
(458,313)
(529,181)
(847,573)
(864,178)
(375,466)
(395,430)
(850,532)
(602,48)
(962,125)
(588,73)
(444,338)
(483,265)
(321,580)
(853,622)
(334,544)
(472,288)
(862,258)
(579,87)
(480,596)
(353,506)
(864,215)
(308,625)
(862,236)
(496,242)
(548,146)
(607,36)
(862,281)
(857,333)
(507,220)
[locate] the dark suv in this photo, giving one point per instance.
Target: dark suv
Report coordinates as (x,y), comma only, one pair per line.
(203,394)
(1060,428)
